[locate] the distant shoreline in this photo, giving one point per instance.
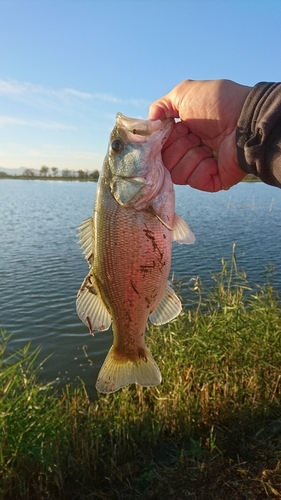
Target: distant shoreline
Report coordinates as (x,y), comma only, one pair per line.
(50,178)
(3,176)
(49,173)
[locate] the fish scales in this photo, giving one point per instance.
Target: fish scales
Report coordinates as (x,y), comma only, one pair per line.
(136,264)
(128,244)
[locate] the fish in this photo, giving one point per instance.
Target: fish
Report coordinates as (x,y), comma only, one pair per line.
(127,243)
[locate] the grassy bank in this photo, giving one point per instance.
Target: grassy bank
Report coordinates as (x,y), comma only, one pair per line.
(212,430)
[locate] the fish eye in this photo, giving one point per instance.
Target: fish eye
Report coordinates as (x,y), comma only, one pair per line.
(117,145)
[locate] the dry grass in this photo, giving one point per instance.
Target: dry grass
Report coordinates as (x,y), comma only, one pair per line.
(212,430)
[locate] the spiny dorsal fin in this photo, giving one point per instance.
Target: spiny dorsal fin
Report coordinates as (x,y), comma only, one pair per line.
(168,308)
(181,231)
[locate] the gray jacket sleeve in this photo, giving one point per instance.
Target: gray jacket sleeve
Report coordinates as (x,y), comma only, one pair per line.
(258,133)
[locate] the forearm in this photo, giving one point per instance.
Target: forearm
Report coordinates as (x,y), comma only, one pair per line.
(258,133)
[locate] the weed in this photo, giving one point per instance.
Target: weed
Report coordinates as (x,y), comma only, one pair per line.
(212,429)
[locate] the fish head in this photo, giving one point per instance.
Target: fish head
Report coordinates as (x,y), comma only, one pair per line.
(134,168)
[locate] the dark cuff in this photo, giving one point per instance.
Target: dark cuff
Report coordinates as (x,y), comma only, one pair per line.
(258,133)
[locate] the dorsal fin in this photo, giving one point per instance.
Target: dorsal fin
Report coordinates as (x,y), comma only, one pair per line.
(86,237)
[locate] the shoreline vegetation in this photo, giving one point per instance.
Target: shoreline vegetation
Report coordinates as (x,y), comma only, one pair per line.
(46,174)
(211,430)
(53,174)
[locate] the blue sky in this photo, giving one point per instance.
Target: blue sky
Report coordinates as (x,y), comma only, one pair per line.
(68,66)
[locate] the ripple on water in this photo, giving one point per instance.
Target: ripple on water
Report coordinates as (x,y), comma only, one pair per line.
(42,266)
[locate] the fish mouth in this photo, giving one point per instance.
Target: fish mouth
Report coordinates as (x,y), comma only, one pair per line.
(144,128)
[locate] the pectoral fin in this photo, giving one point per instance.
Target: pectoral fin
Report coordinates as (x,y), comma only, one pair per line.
(90,307)
(181,231)
(168,308)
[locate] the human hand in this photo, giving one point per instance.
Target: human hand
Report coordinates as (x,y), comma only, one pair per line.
(201,150)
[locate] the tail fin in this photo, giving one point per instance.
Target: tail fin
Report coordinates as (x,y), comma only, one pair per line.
(115,374)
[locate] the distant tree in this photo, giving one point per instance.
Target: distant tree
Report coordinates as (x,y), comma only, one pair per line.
(28,172)
(44,170)
(55,171)
(82,175)
(94,175)
(66,173)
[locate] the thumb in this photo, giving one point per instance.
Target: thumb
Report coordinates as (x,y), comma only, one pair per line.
(162,109)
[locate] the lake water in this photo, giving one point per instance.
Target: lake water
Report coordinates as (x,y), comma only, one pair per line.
(42,267)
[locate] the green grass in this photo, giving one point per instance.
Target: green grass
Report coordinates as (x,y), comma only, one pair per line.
(211,430)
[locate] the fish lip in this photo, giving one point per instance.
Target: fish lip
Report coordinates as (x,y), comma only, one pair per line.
(140,127)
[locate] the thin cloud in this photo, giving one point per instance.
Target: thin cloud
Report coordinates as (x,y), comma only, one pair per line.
(117,100)
(59,153)
(16,155)
(78,93)
(8,120)
(106,98)
(27,91)
(12,88)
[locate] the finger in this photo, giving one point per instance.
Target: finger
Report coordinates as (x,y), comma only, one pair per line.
(182,169)
(162,109)
(177,148)
(179,130)
(206,176)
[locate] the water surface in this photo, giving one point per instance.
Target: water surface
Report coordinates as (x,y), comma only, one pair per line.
(42,267)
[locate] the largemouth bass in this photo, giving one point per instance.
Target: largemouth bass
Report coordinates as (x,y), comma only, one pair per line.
(128,245)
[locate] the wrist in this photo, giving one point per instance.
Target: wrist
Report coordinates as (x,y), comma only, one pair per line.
(233,171)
